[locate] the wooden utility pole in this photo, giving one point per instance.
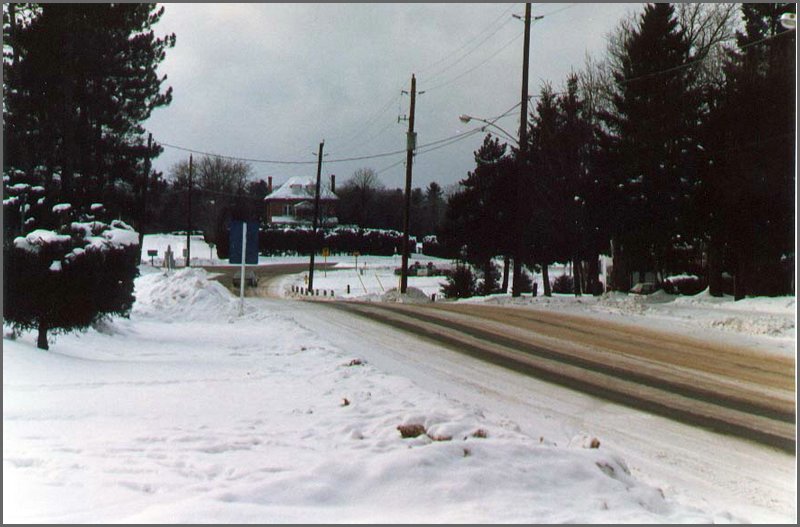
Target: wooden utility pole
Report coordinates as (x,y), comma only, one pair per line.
(315,221)
(411,144)
(522,158)
(189,216)
(143,198)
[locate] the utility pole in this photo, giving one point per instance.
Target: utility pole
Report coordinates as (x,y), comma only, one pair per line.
(143,205)
(411,144)
(522,158)
(189,216)
(314,222)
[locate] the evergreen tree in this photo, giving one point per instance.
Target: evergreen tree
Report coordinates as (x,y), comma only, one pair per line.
(748,185)
(434,205)
(82,79)
(544,240)
(479,215)
(654,129)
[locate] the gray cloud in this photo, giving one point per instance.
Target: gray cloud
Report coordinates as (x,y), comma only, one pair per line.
(272,80)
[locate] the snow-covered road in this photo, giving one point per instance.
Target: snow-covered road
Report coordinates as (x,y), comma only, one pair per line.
(689,464)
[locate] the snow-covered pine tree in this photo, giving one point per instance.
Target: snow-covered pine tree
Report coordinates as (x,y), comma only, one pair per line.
(68,278)
(80,80)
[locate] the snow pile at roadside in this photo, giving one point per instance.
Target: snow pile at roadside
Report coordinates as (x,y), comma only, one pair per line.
(771,317)
(189,418)
(183,294)
(413,295)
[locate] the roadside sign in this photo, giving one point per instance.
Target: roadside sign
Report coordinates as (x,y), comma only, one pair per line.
(251,245)
(152,252)
(325,252)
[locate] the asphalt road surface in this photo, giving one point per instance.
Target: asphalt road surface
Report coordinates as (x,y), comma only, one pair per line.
(726,388)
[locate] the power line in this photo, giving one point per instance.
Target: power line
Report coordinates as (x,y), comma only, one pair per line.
(551,13)
(370,122)
(468,42)
(476,46)
(701,59)
(487,59)
(287,162)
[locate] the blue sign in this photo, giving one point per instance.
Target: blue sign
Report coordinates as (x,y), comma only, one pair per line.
(235,254)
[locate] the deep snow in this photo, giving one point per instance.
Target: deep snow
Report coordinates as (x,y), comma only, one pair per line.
(189,413)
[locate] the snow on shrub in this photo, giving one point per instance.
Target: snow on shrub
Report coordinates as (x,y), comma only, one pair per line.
(58,282)
(684,284)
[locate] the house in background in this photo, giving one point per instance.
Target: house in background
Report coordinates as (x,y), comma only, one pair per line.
(293,203)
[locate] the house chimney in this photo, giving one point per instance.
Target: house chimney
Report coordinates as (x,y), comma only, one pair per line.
(269,185)
(333,183)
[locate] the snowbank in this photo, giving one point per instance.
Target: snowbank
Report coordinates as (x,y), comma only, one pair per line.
(184,294)
(186,417)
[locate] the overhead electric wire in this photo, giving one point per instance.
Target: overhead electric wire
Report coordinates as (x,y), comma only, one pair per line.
(370,122)
(701,59)
(327,161)
(551,13)
(466,43)
(476,46)
(487,59)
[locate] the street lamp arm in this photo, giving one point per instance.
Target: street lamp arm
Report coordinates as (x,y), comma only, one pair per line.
(467,118)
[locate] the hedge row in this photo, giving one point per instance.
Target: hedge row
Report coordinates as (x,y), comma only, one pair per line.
(340,240)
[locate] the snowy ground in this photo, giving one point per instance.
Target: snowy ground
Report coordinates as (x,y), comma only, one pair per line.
(768,324)
(189,413)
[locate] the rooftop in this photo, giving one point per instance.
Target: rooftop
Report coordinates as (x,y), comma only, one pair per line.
(299,187)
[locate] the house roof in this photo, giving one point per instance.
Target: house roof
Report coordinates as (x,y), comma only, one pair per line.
(301,188)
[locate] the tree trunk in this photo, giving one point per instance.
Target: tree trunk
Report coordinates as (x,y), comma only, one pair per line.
(505,274)
(546,280)
(714,269)
(593,277)
(488,285)
(740,280)
(577,276)
(41,342)
(619,281)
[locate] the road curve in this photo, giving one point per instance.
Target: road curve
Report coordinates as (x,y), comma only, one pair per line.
(725,388)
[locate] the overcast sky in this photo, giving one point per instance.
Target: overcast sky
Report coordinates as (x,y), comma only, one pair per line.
(270,81)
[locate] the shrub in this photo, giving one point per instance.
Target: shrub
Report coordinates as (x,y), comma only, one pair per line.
(460,283)
(563,284)
(526,282)
(63,282)
(489,284)
(683,285)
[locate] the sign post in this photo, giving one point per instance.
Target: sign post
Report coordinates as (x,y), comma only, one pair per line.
(243,250)
(244,265)
(325,253)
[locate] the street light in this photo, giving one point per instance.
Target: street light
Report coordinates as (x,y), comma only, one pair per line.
(464,118)
(789,20)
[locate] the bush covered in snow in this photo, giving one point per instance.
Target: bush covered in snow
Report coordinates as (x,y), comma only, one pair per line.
(70,279)
(683,285)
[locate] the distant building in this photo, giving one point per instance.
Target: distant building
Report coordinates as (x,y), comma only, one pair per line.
(293,203)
